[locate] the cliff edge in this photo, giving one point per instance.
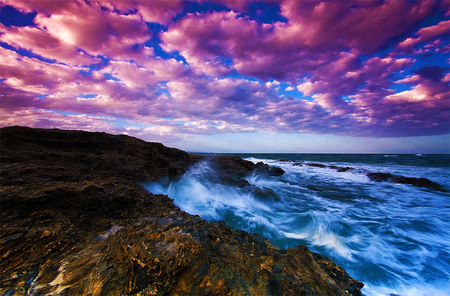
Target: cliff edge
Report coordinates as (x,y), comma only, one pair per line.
(76,221)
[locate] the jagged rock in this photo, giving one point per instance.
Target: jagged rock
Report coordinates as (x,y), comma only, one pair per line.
(231,170)
(76,221)
(419,182)
(264,169)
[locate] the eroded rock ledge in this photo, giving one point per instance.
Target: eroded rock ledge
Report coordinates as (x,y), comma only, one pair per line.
(75,221)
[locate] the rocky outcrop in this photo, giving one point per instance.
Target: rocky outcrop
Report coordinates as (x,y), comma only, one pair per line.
(419,182)
(76,221)
(377,177)
(317,165)
(265,170)
(231,170)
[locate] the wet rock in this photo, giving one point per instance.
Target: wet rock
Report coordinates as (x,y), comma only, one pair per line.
(318,165)
(264,169)
(383,177)
(231,170)
(79,223)
(340,169)
(419,182)
(262,193)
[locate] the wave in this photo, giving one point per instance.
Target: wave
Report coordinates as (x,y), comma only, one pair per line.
(393,237)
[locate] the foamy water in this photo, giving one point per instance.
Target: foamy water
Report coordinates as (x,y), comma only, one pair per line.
(395,238)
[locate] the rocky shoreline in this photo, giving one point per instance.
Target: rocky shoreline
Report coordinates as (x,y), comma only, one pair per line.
(377,176)
(75,220)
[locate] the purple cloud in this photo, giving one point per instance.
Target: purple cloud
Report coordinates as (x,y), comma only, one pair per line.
(326,67)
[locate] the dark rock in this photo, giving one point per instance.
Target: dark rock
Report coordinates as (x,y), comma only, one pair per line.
(318,165)
(344,169)
(297,164)
(76,221)
(262,193)
(340,169)
(231,170)
(264,169)
(419,182)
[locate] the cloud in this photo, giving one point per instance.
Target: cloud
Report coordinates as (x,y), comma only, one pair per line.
(160,11)
(346,24)
(39,118)
(155,11)
(316,34)
(76,32)
(430,85)
(426,34)
(433,73)
(94,59)
(417,111)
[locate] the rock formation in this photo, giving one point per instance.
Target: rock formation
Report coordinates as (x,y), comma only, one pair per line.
(378,177)
(76,221)
(419,182)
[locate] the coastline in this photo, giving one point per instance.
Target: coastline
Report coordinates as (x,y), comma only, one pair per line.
(76,220)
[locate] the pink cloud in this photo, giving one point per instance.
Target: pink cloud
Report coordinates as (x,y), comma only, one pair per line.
(347,24)
(34,76)
(39,118)
(148,71)
(430,85)
(315,35)
(160,11)
(207,37)
(44,44)
(79,25)
(322,50)
(411,112)
(425,34)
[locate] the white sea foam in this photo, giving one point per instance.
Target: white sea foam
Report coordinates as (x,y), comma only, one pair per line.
(439,288)
(392,237)
(321,236)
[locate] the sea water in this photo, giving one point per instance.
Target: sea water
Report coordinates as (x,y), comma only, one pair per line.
(395,238)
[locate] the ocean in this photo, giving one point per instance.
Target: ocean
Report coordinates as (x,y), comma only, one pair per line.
(395,238)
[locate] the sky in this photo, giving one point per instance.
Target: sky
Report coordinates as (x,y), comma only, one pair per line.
(233,76)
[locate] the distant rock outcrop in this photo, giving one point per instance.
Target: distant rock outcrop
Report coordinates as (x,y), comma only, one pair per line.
(419,182)
(377,177)
(76,221)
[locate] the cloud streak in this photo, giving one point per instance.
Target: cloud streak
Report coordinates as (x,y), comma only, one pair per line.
(351,68)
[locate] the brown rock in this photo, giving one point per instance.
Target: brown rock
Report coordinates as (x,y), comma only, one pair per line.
(76,221)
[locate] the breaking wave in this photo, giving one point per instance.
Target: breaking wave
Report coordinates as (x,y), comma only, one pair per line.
(392,237)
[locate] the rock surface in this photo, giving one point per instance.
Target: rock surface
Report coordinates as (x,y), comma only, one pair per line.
(76,221)
(378,177)
(419,182)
